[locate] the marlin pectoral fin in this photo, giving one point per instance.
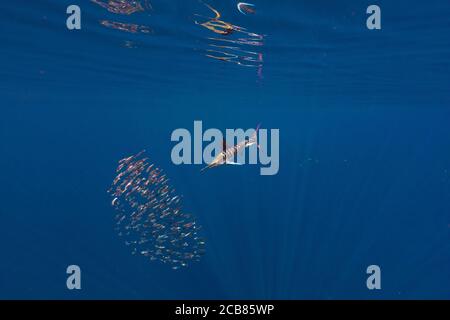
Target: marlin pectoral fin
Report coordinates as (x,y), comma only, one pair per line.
(234,163)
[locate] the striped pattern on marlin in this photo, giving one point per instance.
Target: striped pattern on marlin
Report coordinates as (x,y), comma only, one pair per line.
(231,152)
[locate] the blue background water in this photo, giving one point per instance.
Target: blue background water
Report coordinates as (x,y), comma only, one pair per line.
(364,158)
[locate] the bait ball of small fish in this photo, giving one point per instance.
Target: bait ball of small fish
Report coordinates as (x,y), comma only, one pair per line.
(150,216)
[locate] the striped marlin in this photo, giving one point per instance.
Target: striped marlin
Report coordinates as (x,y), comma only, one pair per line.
(231,152)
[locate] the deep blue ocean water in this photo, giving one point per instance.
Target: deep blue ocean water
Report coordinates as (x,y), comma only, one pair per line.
(364,149)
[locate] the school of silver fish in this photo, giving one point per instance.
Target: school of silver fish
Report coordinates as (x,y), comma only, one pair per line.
(150,217)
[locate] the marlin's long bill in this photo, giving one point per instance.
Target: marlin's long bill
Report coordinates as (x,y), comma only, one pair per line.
(214,163)
(203,169)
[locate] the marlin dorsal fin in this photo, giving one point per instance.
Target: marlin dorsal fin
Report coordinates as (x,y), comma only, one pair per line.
(224,149)
(224,145)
